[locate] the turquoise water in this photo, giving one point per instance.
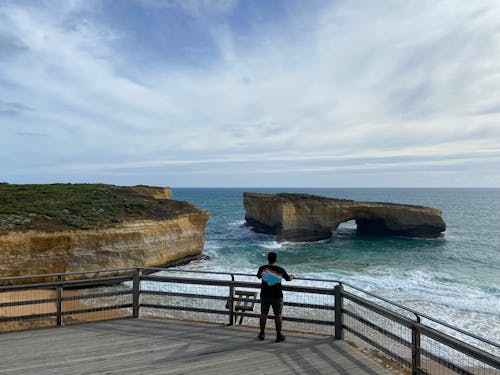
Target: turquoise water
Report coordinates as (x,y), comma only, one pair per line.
(455,278)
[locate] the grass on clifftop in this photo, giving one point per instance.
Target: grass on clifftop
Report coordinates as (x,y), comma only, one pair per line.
(79,206)
(303,196)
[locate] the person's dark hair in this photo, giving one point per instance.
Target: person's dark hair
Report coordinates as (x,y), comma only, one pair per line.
(272,257)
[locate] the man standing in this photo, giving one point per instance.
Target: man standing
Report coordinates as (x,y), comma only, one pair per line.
(271,294)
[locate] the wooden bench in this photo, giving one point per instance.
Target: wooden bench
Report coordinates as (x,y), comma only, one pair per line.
(243,301)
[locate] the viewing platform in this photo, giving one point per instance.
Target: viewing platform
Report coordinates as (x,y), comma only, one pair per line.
(140,346)
(168,321)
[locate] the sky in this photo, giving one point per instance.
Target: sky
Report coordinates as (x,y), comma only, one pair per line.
(248,93)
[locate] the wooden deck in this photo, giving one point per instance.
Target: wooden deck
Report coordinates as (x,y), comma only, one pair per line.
(133,346)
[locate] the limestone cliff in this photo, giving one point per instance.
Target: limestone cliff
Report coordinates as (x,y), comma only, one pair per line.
(140,243)
(135,226)
(148,191)
(302,217)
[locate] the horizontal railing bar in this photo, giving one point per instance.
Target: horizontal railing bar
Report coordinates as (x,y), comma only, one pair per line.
(184,308)
(28,302)
(237,284)
(188,295)
(288,318)
(224,312)
(96,295)
(14,288)
(337,282)
(93,282)
(66,283)
(289,288)
(9,278)
(308,289)
(445,363)
(159,269)
(311,321)
(27,317)
(378,328)
(96,309)
(378,346)
(69,298)
(308,305)
(150,269)
(379,309)
(458,345)
(235,299)
(177,280)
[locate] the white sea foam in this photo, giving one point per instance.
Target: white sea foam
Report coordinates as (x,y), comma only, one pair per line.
(470,308)
(238,230)
(271,245)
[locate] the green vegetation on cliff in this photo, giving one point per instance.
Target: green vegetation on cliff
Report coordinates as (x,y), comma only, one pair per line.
(302,196)
(80,206)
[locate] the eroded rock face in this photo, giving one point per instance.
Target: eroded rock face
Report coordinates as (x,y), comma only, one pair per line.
(155,192)
(145,243)
(58,228)
(303,217)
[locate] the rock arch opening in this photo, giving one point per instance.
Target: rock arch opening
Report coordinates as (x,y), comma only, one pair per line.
(348,225)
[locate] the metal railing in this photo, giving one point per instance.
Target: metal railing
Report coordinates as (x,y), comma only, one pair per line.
(418,343)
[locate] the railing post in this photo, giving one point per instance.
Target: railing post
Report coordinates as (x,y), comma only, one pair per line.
(136,291)
(415,349)
(231,301)
(339,306)
(59,292)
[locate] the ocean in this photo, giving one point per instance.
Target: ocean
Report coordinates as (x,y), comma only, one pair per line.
(455,278)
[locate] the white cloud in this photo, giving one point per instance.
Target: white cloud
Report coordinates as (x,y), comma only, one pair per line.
(362,80)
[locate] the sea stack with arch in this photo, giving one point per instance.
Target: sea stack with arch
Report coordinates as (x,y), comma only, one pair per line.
(304,217)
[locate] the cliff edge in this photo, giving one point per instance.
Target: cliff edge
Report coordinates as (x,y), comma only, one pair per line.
(303,217)
(75,227)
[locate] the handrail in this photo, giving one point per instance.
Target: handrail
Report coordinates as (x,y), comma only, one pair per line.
(8,278)
(230,273)
(245,284)
(135,275)
(69,283)
(421,315)
(161,269)
(415,312)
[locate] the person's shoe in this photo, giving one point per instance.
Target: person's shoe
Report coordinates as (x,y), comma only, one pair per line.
(280,338)
(261,336)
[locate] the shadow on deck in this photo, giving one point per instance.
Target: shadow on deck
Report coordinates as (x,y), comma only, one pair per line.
(133,346)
